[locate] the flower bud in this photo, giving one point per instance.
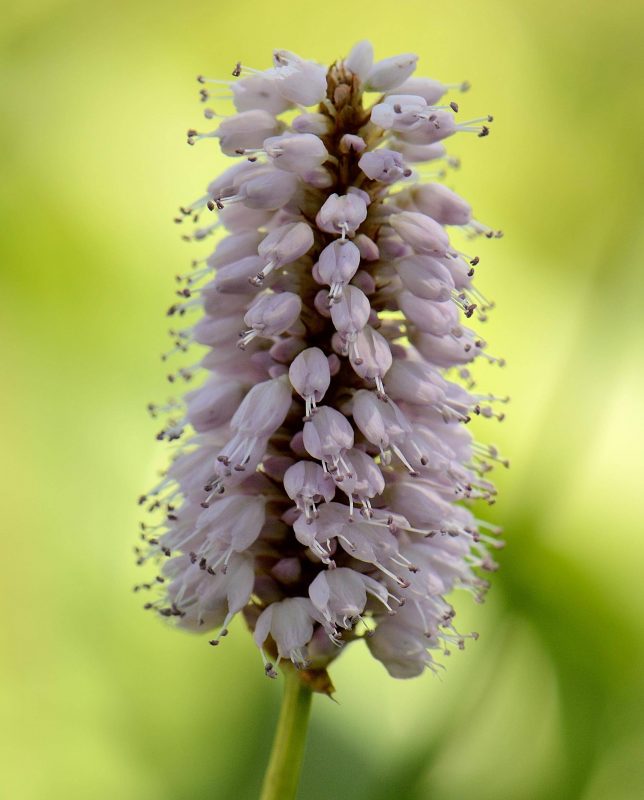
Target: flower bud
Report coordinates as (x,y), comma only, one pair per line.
(390,72)
(310,376)
(437,126)
(386,166)
(235,278)
(270,315)
(430,90)
(234,247)
(238,218)
(318,178)
(284,245)
(337,264)
(287,571)
(403,652)
(380,422)
(370,356)
(426,277)
(400,113)
(307,483)
(444,351)
(369,250)
(363,481)
(247,130)
(342,214)
(213,404)
(352,143)
(216,331)
(302,82)
(350,313)
(416,382)
(290,624)
(312,122)
(263,409)
(441,204)
(259,91)
(326,435)
(285,350)
(413,153)
(296,152)
(268,189)
(420,232)
(360,59)
(225,184)
(428,316)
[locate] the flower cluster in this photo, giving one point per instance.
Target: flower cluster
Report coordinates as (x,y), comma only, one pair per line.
(324,481)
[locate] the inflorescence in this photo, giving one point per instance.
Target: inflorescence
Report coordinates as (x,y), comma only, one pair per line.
(324,480)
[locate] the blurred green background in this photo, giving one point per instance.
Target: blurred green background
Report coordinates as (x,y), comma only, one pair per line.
(97,699)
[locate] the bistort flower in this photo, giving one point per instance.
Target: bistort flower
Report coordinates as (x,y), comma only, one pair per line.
(324,479)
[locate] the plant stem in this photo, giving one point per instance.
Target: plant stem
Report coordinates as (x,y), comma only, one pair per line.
(283,772)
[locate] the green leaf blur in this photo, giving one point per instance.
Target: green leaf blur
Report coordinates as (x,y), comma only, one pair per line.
(100,700)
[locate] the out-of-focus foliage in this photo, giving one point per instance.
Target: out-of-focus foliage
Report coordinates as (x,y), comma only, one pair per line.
(100,701)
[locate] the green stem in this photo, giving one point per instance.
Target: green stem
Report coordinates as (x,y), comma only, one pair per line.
(283,772)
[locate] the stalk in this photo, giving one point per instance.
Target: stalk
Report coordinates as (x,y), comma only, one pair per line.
(283,772)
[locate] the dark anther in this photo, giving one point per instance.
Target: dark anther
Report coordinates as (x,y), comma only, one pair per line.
(475,261)
(201,79)
(484,132)
(237,71)
(454,107)
(211,205)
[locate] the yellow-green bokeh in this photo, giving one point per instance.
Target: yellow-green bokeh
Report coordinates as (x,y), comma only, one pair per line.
(100,701)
